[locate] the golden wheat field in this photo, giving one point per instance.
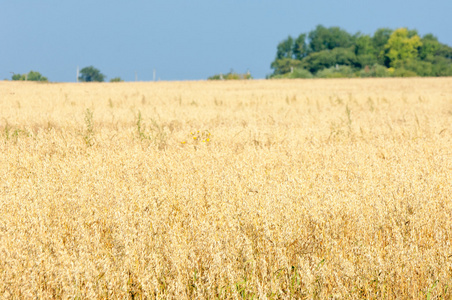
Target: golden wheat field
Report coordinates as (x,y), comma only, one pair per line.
(301,189)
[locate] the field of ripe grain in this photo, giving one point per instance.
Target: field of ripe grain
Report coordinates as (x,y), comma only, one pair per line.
(323,189)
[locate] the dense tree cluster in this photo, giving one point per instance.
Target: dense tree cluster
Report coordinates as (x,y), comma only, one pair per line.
(333,52)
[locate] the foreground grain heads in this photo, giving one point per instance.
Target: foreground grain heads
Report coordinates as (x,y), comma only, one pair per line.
(256,189)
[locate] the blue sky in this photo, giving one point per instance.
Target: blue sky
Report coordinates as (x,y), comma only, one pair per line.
(185,40)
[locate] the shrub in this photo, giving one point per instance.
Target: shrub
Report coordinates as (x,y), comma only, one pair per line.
(297,73)
(231,76)
(402,72)
(31,76)
(116,79)
(336,72)
(300,73)
(375,71)
(420,68)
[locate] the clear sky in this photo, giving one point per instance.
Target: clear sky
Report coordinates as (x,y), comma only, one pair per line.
(182,39)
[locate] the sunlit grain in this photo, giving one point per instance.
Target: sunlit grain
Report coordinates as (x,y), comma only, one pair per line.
(251,189)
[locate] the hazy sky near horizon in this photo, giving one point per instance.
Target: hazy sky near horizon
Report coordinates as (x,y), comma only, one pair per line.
(185,40)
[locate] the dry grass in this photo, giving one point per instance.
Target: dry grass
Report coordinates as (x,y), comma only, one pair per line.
(257,189)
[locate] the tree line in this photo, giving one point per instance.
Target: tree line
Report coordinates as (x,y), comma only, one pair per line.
(333,53)
(87,74)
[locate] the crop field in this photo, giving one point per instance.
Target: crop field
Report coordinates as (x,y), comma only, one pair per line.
(265,189)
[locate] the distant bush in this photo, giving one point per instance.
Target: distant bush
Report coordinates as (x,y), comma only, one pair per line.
(402,72)
(336,72)
(31,76)
(19,77)
(300,73)
(296,73)
(116,79)
(375,71)
(231,76)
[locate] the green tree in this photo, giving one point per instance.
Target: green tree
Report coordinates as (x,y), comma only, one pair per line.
(285,65)
(381,37)
(379,40)
(89,74)
(364,50)
(323,38)
(325,59)
(445,51)
(430,47)
(300,48)
(402,45)
(285,48)
(363,45)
